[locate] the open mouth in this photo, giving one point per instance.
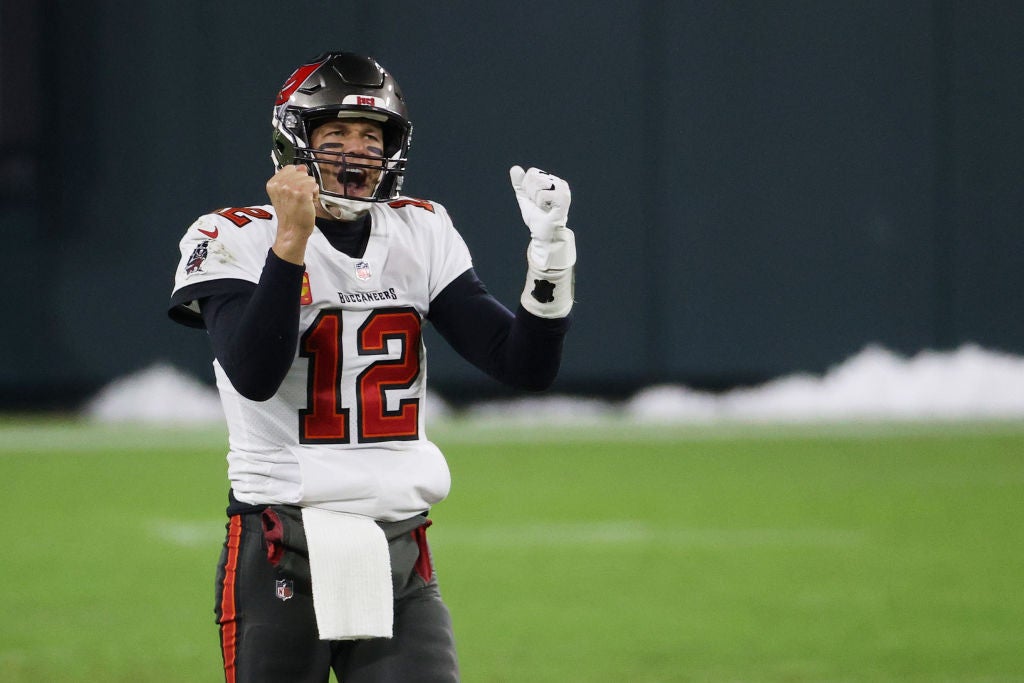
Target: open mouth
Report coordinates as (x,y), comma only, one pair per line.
(354,180)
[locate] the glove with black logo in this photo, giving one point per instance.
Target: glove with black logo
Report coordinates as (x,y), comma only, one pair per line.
(544,202)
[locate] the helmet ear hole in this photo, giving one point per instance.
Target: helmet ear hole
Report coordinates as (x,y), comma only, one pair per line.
(284,151)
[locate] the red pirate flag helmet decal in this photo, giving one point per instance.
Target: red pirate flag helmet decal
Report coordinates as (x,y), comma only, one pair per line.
(295,80)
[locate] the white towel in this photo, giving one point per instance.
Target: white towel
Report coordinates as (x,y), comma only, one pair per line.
(351,571)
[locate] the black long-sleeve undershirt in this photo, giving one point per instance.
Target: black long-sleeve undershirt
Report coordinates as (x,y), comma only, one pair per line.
(521,350)
(254,330)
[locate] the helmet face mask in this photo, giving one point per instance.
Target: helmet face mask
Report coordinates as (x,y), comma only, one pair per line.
(342,85)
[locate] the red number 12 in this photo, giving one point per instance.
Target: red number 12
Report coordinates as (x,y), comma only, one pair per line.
(325,420)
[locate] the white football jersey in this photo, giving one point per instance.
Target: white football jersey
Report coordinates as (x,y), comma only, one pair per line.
(345,431)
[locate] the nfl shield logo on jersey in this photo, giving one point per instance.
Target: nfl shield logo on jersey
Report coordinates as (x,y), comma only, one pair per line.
(285,589)
(363,270)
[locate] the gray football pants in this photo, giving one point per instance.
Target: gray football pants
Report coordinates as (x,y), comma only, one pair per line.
(268,627)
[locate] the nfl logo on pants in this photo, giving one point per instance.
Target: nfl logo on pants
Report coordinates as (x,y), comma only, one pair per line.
(284,589)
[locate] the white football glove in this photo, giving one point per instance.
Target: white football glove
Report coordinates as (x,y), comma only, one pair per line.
(543,200)
(544,203)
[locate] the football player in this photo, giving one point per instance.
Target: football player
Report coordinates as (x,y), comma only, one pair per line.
(314,306)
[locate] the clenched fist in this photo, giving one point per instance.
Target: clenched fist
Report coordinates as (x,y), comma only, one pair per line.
(543,200)
(294,194)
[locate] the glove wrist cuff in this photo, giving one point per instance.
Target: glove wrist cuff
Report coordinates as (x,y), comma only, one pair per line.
(550,276)
(556,253)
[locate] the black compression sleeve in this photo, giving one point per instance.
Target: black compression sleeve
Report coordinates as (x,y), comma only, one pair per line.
(254,332)
(521,349)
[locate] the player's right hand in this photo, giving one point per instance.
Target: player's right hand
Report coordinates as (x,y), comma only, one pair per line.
(294,194)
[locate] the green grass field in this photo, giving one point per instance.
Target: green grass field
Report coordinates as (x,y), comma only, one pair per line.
(614,553)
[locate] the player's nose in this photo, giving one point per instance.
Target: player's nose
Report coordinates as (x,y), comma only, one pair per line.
(353,144)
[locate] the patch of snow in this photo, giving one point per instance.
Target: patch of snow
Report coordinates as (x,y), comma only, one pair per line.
(875,384)
(158,394)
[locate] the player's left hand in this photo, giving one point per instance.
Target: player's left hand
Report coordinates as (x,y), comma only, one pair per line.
(543,200)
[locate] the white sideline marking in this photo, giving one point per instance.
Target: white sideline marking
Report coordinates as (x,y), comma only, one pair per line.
(186,534)
(638,533)
(75,436)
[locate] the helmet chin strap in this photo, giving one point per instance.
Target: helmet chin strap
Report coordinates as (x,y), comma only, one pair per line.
(343,209)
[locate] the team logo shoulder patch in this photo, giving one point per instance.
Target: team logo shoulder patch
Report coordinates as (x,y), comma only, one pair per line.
(198,257)
(203,253)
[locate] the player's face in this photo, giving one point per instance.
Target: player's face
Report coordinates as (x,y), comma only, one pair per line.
(358,176)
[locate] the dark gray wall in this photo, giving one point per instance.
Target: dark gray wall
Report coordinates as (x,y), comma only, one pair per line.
(758,187)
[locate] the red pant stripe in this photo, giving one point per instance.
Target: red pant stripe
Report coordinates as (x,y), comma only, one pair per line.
(228,609)
(423,566)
